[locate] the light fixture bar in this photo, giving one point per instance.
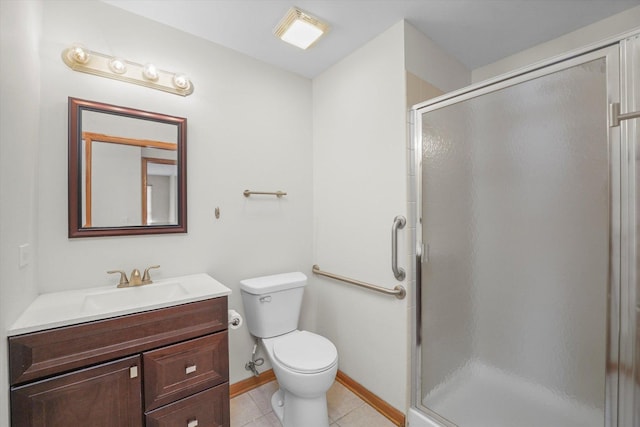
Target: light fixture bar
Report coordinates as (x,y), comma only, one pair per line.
(81,59)
(300,29)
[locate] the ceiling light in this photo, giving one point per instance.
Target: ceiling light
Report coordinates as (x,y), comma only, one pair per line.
(300,29)
(79,58)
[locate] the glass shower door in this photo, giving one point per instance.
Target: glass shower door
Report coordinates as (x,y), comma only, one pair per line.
(519,278)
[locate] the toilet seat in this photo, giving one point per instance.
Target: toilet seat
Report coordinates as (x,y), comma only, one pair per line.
(305,352)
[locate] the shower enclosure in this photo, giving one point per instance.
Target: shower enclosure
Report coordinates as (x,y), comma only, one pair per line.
(526,259)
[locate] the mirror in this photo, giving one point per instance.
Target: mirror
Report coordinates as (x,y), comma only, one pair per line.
(127,171)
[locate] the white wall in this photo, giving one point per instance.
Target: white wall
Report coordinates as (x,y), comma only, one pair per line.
(426,60)
(20,88)
(601,30)
(359,187)
(249,127)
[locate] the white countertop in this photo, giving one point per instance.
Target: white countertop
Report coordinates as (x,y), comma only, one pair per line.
(55,309)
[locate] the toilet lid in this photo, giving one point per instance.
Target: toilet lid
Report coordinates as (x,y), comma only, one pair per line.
(305,352)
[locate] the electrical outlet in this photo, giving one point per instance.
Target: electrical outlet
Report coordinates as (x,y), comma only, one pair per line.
(24,255)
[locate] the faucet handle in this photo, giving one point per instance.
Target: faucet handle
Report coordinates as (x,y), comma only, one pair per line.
(124,282)
(146,277)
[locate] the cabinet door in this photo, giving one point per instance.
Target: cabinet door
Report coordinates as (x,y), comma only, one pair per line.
(209,408)
(107,395)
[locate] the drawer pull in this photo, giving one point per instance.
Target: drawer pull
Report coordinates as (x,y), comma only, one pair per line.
(190,369)
(133,372)
(192,423)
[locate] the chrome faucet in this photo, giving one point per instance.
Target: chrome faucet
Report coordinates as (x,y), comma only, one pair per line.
(135,280)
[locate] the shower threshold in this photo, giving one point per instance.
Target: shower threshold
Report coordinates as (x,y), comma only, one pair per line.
(479,395)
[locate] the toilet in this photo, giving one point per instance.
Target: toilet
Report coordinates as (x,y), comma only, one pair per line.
(305,364)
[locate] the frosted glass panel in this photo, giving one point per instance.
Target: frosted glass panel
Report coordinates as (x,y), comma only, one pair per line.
(515,215)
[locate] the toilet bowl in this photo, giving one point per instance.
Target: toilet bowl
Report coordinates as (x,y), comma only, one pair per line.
(305,364)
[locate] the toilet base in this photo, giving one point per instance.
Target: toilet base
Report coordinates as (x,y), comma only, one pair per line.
(277,404)
(295,411)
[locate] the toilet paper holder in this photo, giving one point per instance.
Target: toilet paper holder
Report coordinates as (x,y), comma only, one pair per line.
(234,320)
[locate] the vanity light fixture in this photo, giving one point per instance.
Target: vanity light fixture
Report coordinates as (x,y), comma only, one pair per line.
(79,58)
(300,29)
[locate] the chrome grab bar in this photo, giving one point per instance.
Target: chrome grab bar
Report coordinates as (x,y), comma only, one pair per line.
(398,223)
(278,193)
(399,291)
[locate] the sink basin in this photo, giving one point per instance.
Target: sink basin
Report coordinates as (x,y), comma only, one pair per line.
(122,298)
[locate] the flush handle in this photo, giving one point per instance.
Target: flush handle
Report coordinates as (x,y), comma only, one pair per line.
(192,423)
(190,369)
(265,299)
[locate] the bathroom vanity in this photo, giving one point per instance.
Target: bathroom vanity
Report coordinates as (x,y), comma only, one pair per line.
(164,366)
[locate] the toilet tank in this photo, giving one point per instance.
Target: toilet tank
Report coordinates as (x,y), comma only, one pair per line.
(272,303)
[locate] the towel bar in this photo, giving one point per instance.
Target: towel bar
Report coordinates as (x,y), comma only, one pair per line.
(278,193)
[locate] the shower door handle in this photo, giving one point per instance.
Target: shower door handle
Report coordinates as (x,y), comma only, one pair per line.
(398,223)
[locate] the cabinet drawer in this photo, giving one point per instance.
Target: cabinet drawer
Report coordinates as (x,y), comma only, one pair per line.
(33,356)
(110,393)
(179,370)
(208,408)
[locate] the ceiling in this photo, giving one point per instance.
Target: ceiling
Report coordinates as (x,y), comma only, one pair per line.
(476,32)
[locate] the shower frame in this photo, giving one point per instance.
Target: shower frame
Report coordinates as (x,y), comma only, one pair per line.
(622,382)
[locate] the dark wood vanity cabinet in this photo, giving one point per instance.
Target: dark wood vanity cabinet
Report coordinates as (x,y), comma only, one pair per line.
(162,368)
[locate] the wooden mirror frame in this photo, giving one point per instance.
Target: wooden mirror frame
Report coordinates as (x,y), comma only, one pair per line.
(76,228)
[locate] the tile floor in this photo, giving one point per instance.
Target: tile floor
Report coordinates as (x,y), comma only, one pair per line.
(253,409)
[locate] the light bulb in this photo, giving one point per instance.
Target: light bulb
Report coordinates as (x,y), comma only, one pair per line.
(117,65)
(181,81)
(150,72)
(79,54)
